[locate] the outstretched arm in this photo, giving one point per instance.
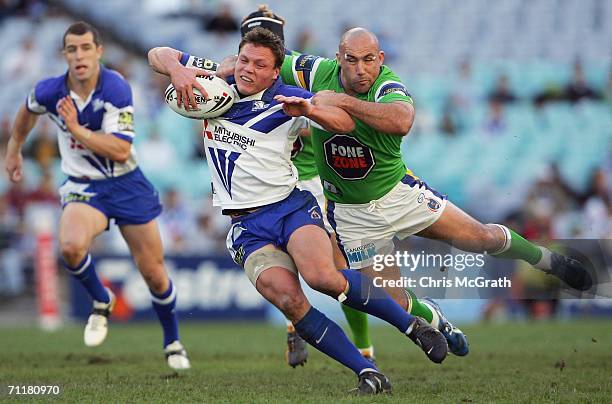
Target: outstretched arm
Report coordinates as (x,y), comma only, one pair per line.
(24,122)
(332,119)
(393,118)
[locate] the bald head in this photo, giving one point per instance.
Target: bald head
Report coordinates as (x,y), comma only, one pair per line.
(358,37)
(360,60)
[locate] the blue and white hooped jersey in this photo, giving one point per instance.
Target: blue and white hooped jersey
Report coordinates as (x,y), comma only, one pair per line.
(108,109)
(248,148)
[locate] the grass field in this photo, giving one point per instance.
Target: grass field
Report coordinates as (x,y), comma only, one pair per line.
(526,362)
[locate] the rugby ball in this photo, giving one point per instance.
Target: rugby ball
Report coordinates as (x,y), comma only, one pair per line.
(220,99)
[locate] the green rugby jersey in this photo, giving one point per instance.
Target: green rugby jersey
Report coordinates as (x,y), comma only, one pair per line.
(303,159)
(302,154)
(360,166)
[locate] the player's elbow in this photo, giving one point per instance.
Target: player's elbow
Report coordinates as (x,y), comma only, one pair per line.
(151,56)
(343,126)
(403,123)
(154,57)
(404,126)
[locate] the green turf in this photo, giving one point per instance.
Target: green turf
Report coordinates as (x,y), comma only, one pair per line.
(526,362)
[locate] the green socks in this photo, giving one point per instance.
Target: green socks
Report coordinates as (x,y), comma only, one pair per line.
(416,308)
(516,247)
(358,322)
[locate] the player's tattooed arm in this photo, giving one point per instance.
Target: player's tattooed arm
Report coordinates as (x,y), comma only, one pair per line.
(393,118)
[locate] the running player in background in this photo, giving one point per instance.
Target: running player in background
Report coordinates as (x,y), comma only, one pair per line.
(276,228)
(92,106)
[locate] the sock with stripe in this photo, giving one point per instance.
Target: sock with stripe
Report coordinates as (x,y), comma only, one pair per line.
(420,309)
(362,295)
(85,272)
(326,336)
(164,305)
(516,247)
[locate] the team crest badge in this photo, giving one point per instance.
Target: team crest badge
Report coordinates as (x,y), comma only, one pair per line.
(98,104)
(314,214)
(433,205)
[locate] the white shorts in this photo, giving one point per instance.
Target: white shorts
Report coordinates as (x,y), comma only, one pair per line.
(366,230)
(316,189)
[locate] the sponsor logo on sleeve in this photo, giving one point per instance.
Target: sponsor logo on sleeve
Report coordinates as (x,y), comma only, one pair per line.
(204,64)
(126,121)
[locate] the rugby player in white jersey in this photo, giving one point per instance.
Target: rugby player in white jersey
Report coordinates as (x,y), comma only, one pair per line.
(92,107)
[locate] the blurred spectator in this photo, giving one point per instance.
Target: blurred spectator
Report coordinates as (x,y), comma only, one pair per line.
(5,134)
(175,222)
(495,123)
(502,92)
(597,209)
(551,92)
(466,91)
(209,233)
(306,43)
(23,62)
(11,259)
(198,154)
(43,148)
(448,123)
(224,22)
(17,197)
(156,155)
(388,45)
(578,89)
(45,192)
(608,89)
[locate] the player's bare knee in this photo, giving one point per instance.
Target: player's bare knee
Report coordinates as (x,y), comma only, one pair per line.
(73,251)
(157,280)
(330,282)
(290,303)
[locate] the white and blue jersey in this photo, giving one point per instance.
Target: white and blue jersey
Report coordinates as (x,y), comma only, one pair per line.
(119,190)
(108,109)
(248,150)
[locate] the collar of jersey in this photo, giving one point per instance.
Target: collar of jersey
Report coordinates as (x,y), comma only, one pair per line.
(98,85)
(264,95)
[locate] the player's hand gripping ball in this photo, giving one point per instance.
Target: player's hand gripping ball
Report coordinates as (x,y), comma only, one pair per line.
(220,99)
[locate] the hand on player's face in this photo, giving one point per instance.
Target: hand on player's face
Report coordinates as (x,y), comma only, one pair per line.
(295,106)
(68,112)
(227,66)
(184,81)
(255,69)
